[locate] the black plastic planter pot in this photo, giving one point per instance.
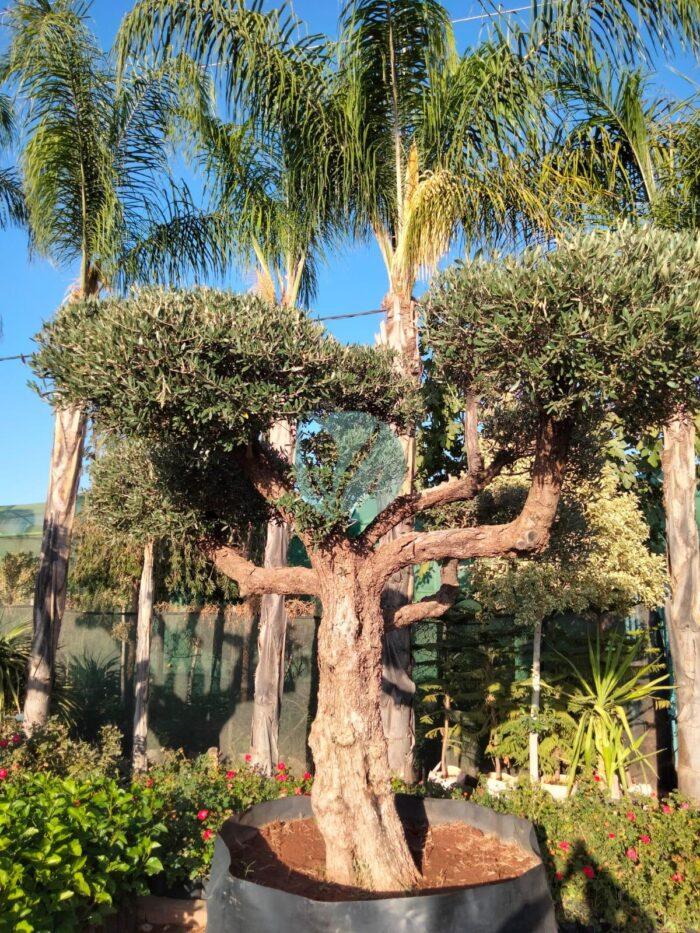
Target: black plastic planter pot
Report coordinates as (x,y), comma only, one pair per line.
(519,905)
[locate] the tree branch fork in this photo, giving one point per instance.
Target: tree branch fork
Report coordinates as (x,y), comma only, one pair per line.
(376,560)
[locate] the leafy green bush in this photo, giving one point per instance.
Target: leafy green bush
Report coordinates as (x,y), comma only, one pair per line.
(52,750)
(195,796)
(615,865)
(71,850)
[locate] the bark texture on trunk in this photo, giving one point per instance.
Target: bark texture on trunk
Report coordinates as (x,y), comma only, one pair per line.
(52,575)
(398,689)
(535,702)
(683,605)
(352,797)
(142,670)
(269,673)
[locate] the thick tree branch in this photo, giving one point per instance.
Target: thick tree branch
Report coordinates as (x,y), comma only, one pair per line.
(430,607)
(257,581)
(528,533)
(460,489)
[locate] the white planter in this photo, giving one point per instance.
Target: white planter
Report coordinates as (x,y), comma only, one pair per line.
(558,791)
(455,776)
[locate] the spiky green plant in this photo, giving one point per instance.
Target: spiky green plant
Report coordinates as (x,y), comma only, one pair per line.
(14,652)
(601,701)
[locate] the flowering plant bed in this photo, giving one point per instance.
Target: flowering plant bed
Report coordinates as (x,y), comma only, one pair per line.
(634,863)
(475,864)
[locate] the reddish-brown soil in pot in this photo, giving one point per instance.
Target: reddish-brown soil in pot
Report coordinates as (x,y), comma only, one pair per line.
(290,856)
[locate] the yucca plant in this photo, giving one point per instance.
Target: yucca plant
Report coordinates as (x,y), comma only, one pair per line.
(618,677)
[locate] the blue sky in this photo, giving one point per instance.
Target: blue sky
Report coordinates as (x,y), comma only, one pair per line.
(352,281)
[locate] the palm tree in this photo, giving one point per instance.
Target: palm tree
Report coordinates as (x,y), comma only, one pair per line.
(443,144)
(279,218)
(650,147)
(11,198)
(271,174)
(97,190)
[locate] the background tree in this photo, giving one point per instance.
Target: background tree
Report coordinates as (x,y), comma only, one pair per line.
(270,186)
(650,148)
(209,399)
(97,190)
(597,563)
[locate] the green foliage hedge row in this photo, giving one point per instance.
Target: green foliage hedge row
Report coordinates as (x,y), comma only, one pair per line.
(71,849)
(631,864)
(75,848)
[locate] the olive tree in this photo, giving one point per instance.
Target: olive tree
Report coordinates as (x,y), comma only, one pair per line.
(601,323)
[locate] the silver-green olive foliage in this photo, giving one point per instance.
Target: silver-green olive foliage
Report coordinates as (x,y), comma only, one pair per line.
(607,321)
(199,375)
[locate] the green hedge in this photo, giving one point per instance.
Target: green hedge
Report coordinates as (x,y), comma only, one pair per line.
(71,850)
(632,864)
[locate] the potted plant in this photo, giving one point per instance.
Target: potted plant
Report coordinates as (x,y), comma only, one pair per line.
(551,342)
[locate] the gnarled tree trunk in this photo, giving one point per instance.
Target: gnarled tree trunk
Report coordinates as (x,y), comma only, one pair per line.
(52,575)
(352,798)
(269,673)
(683,605)
(142,668)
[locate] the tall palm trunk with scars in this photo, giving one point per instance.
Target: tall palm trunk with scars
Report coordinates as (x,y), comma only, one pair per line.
(52,574)
(269,673)
(398,689)
(683,605)
(70,429)
(142,670)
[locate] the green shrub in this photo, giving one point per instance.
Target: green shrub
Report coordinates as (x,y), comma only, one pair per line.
(631,864)
(71,850)
(52,750)
(195,796)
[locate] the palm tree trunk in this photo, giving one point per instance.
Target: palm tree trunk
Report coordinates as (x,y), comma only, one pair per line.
(683,605)
(398,688)
(52,576)
(269,673)
(535,702)
(143,661)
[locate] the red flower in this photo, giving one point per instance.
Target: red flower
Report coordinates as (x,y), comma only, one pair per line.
(149,782)
(307,775)
(3,743)
(645,839)
(281,766)
(666,809)
(248,757)
(677,877)
(16,738)
(611,835)
(207,834)
(588,871)
(564,846)
(298,791)
(685,805)
(230,774)
(630,816)
(597,777)
(558,875)
(202,815)
(3,774)
(632,854)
